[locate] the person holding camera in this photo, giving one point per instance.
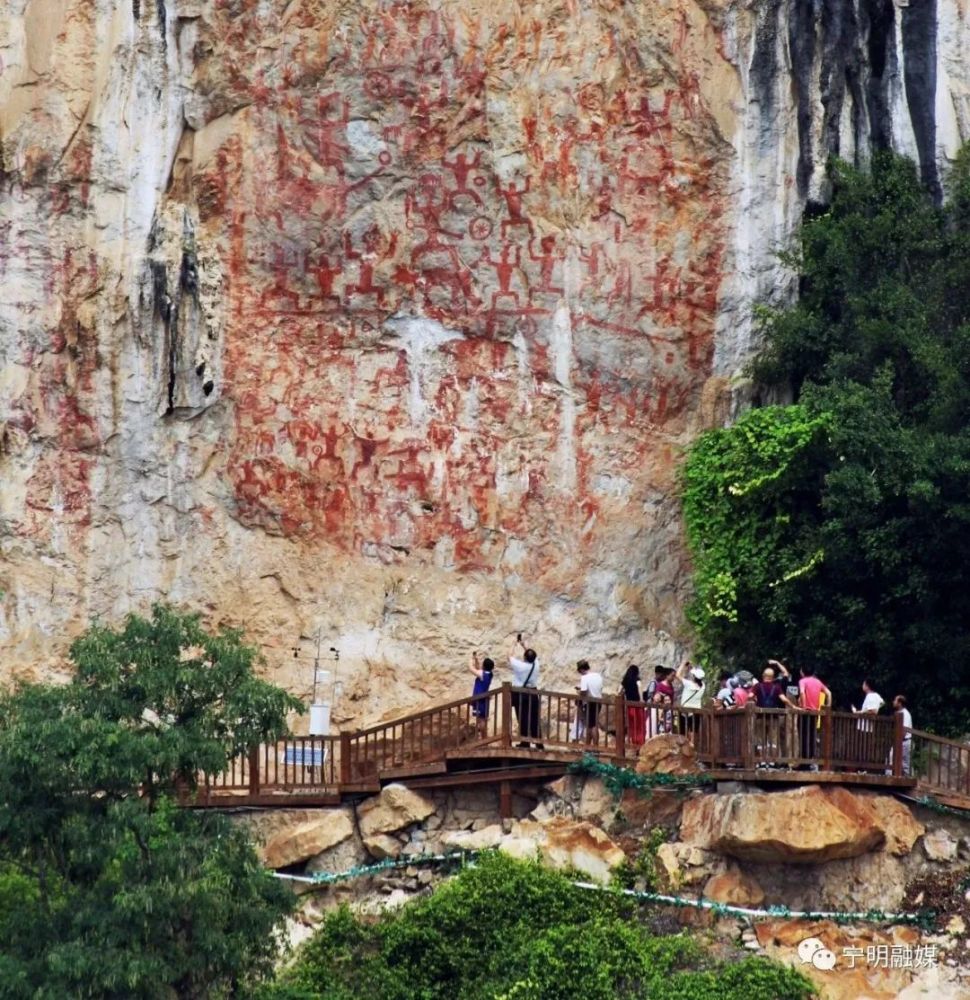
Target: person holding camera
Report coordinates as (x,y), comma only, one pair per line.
(483,681)
(525,703)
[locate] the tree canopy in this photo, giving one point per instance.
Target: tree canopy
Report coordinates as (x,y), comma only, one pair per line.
(512,930)
(107,887)
(833,531)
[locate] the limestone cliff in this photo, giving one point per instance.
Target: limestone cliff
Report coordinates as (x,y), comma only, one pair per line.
(390,318)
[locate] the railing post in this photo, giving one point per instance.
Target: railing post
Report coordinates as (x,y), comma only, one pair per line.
(898,733)
(747,751)
(506,714)
(827,723)
(254,770)
(345,758)
(715,737)
(620,726)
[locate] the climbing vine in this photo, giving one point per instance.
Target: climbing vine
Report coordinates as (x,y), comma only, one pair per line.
(618,779)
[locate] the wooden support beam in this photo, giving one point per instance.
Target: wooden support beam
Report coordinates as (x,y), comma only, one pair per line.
(505,800)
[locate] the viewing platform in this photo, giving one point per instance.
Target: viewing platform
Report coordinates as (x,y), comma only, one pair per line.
(448,745)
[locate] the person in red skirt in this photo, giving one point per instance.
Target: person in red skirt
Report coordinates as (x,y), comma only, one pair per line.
(636,714)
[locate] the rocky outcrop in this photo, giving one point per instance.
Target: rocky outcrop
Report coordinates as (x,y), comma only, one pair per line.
(668,754)
(394,808)
(289,836)
(558,842)
(851,963)
(811,824)
(735,888)
(390,319)
(940,845)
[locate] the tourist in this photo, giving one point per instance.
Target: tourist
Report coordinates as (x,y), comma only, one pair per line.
(900,709)
(739,691)
(872,702)
(725,693)
(636,714)
(692,690)
(525,704)
(869,748)
(691,696)
(483,681)
(663,696)
(769,692)
(590,689)
(812,695)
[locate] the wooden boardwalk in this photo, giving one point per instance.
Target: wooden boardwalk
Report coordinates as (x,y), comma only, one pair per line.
(448,746)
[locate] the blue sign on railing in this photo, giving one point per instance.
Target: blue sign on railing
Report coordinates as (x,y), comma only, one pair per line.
(305,756)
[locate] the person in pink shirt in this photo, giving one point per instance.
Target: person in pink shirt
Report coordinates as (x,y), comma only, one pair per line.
(742,695)
(810,691)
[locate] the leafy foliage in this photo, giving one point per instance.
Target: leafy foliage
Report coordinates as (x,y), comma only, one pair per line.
(508,929)
(107,888)
(833,531)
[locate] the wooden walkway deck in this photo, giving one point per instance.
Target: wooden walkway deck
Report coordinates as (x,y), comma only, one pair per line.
(449,746)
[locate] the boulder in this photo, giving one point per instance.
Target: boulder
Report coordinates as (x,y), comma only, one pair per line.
(808,825)
(844,973)
(898,823)
(939,845)
(382,845)
(473,840)
(563,843)
(662,807)
(289,836)
(668,866)
(393,809)
(736,888)
(668,754)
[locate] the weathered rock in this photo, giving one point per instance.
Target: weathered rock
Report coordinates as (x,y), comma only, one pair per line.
(668,754)
(734,887)
(668,866)
(446,377)
(394,808)
(563,843)
(853,977)
(661,807)
(939,845)
(381,845)
(897,821)
(808,825)
(474,840)
(285,837)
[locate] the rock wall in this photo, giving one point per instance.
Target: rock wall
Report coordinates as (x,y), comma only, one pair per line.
(388,320)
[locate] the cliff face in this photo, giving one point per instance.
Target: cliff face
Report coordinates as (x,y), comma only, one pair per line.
(390,318)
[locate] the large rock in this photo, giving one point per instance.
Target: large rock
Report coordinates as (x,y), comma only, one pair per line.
(288,836)
(564,844)
(844,971)
(734,887)
(940,845)
(897,821)
(474,840)
(394,808)
(403,311)
(382,845)
(810,825)
(668,754)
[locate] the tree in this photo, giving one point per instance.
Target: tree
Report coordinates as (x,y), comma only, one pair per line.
(850,552)
(511,929)
(107,887)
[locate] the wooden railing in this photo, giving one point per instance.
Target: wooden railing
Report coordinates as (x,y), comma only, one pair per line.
(508,718)
(941,766)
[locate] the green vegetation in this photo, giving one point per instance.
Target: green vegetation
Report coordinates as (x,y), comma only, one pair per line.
(107,889)
(834,531)
(641,872)
(508,930)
